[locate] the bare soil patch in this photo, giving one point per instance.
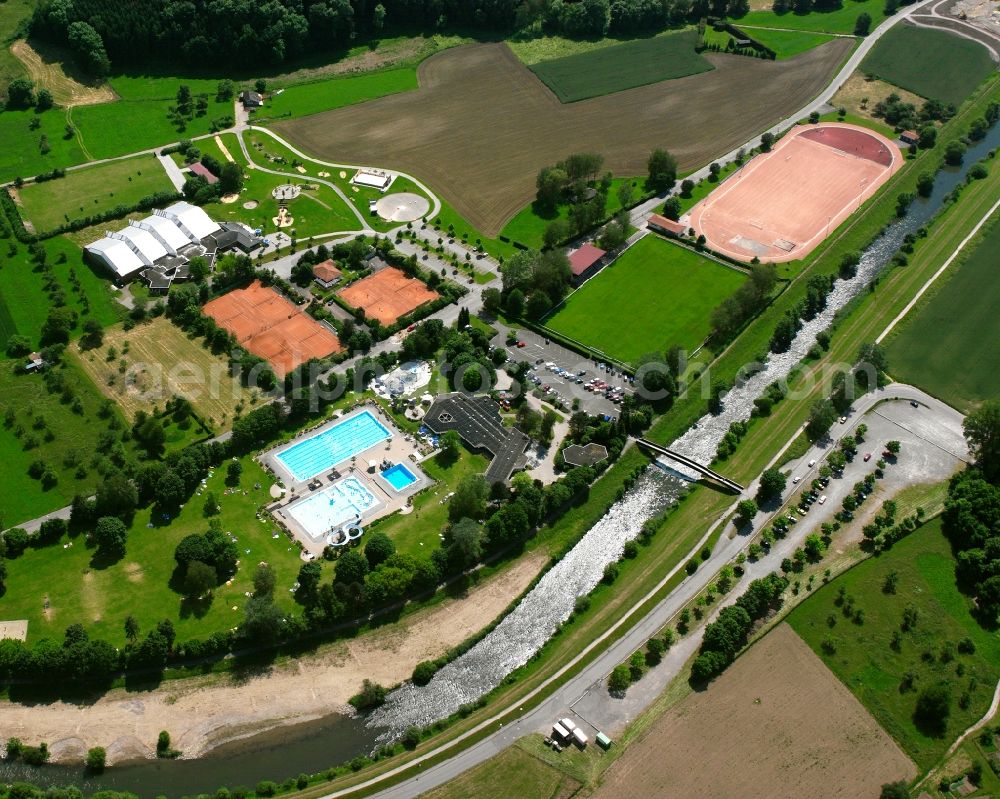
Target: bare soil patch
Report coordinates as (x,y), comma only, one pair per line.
(50,73)
(482,125)
(777,723)
(204,712)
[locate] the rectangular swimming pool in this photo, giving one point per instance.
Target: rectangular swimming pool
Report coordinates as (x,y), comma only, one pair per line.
(399,477)
(344,502)
(334,445)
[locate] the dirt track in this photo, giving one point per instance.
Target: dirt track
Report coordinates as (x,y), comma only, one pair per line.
(203,713)
(777,723)
(481,125)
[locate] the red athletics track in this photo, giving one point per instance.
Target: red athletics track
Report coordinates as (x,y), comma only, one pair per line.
(782,204)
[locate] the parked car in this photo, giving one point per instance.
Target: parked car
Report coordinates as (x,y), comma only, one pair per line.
(822,499)
(868,457)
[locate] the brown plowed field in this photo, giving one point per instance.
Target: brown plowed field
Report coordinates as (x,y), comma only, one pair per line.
(482,125)
(776,723)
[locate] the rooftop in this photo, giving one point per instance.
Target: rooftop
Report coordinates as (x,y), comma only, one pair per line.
(669,225)
(198,168)
(584,258)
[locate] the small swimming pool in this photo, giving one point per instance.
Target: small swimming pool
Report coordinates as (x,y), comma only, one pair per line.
(399,477)
(344,502)
(335,444)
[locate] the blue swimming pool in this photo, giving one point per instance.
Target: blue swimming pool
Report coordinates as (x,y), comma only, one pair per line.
(399,477)
(335,444)
(344,502)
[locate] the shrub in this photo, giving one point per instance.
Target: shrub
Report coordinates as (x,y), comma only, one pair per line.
(423,672)
(96,759)
(620,679)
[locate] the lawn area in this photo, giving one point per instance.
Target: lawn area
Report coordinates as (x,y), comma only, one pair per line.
(91,191)
(137,122)
(838,20)
(23,292)
(513,772)
(865,662)
(528,226)
(161,361)
(101,598)
(902,55)
(788,43)
(21,154)
(310,98)
(315,210)
(12,14)
(656,295)
(417,532)
(624,66)
(74,435)
(944,345)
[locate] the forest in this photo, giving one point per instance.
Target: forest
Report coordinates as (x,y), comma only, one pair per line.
(107,35)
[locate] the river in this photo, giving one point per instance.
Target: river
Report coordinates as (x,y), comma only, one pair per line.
(318,745)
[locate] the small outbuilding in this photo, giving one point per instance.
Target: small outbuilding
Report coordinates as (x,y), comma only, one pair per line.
(202,171)
(909,137)
(34,363)
(586,262)
(327,274)
(668,227)
(251,99)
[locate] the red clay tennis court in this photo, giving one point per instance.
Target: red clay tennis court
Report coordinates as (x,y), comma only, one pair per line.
(387,295)
(271,327)
(782,204)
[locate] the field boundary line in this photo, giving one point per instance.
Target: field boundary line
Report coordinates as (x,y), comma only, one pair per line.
(930,281)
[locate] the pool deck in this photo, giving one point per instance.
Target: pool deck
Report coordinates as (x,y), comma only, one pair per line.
(364,466)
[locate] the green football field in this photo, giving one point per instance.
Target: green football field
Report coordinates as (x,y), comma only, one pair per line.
(902,55)
(947,346)
(623,66)
(656,295)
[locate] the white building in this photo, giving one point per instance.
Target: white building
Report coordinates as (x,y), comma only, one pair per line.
(192,220)
(142,243)
(117,256)
(165,231)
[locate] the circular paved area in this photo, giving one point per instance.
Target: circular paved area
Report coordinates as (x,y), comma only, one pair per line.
(402,207)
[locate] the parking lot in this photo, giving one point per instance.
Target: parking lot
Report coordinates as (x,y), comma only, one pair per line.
(574,373)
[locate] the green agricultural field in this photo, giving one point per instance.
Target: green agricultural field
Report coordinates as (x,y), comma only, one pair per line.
(24,294)
(101,598)
(528,226)
(416,533)
(656,295)
(838,20)
(73,433)
(864,660)
(946,344)
(788,43)
(624,66)
(92,191)
(311,98)
(902,55)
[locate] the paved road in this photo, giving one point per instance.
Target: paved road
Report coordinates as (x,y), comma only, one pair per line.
(932,16)
(583,693)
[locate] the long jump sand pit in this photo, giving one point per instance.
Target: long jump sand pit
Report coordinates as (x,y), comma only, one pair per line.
(776,723)
(782,204)
(272,328)
(387,295)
